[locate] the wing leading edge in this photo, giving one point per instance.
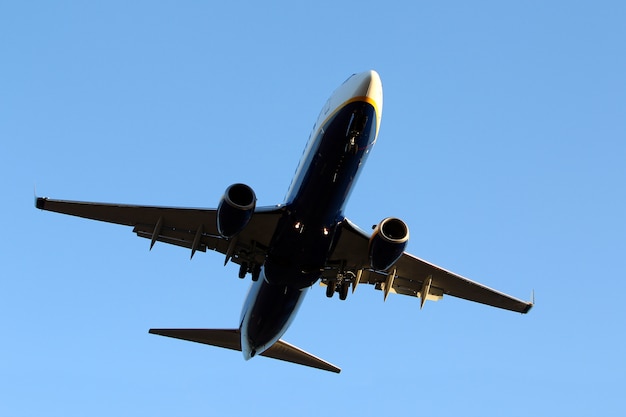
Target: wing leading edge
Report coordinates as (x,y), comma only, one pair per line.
(414,276)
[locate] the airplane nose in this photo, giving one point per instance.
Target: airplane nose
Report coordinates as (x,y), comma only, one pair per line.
(372,78)
(367,84)
(371,87)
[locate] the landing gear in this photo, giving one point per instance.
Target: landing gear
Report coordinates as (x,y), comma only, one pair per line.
(256,272)
(340,285)
(243,270)
(343,290)
(330,288)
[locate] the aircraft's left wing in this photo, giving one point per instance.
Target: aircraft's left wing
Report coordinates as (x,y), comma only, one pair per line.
(413,276)
(192,228)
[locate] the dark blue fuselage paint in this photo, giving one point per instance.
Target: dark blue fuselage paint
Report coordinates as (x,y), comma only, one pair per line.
(305,233)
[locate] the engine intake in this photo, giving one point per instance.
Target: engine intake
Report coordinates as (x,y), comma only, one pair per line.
(235,210)
(388,243)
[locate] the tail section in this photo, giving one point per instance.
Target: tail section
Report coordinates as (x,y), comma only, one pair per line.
(231,339)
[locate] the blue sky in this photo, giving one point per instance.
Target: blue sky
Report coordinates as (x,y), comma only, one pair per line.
(503,146)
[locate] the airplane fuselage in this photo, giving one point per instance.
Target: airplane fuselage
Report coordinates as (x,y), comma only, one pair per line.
(338,146)
(288,247)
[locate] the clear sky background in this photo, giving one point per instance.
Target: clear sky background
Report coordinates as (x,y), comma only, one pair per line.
(503,146)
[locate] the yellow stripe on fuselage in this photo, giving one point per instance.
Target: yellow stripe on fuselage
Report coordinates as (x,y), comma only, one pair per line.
(365,99)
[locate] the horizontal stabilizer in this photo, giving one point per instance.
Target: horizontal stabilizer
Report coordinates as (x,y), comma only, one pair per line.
(231,339)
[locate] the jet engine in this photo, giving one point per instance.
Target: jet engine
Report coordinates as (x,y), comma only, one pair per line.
(235,210)
(387,243)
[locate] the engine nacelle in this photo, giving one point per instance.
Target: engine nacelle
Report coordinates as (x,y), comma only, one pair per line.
(235,210)
(388,243)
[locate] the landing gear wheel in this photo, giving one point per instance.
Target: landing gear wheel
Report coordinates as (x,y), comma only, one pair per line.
(243,270)
(343,292)
(256,272)
(330,289)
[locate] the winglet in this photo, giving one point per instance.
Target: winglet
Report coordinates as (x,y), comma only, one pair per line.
(530,304)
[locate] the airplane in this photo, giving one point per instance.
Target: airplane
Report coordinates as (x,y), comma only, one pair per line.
(289,247)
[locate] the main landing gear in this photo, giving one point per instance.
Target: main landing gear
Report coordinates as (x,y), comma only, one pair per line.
(255,270)
(340,285)
(342,288)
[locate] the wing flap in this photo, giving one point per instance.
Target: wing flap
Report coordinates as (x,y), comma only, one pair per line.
(183,238)
(231,339)
(184,243)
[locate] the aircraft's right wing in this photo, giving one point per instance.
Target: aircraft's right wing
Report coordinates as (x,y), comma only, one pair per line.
(414,276)
(192,228)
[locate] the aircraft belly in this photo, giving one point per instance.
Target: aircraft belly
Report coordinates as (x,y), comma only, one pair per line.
(332,165)
(268,312)
(304,235)
(298,251)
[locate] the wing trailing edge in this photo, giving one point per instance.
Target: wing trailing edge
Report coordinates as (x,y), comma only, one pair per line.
(231,339)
